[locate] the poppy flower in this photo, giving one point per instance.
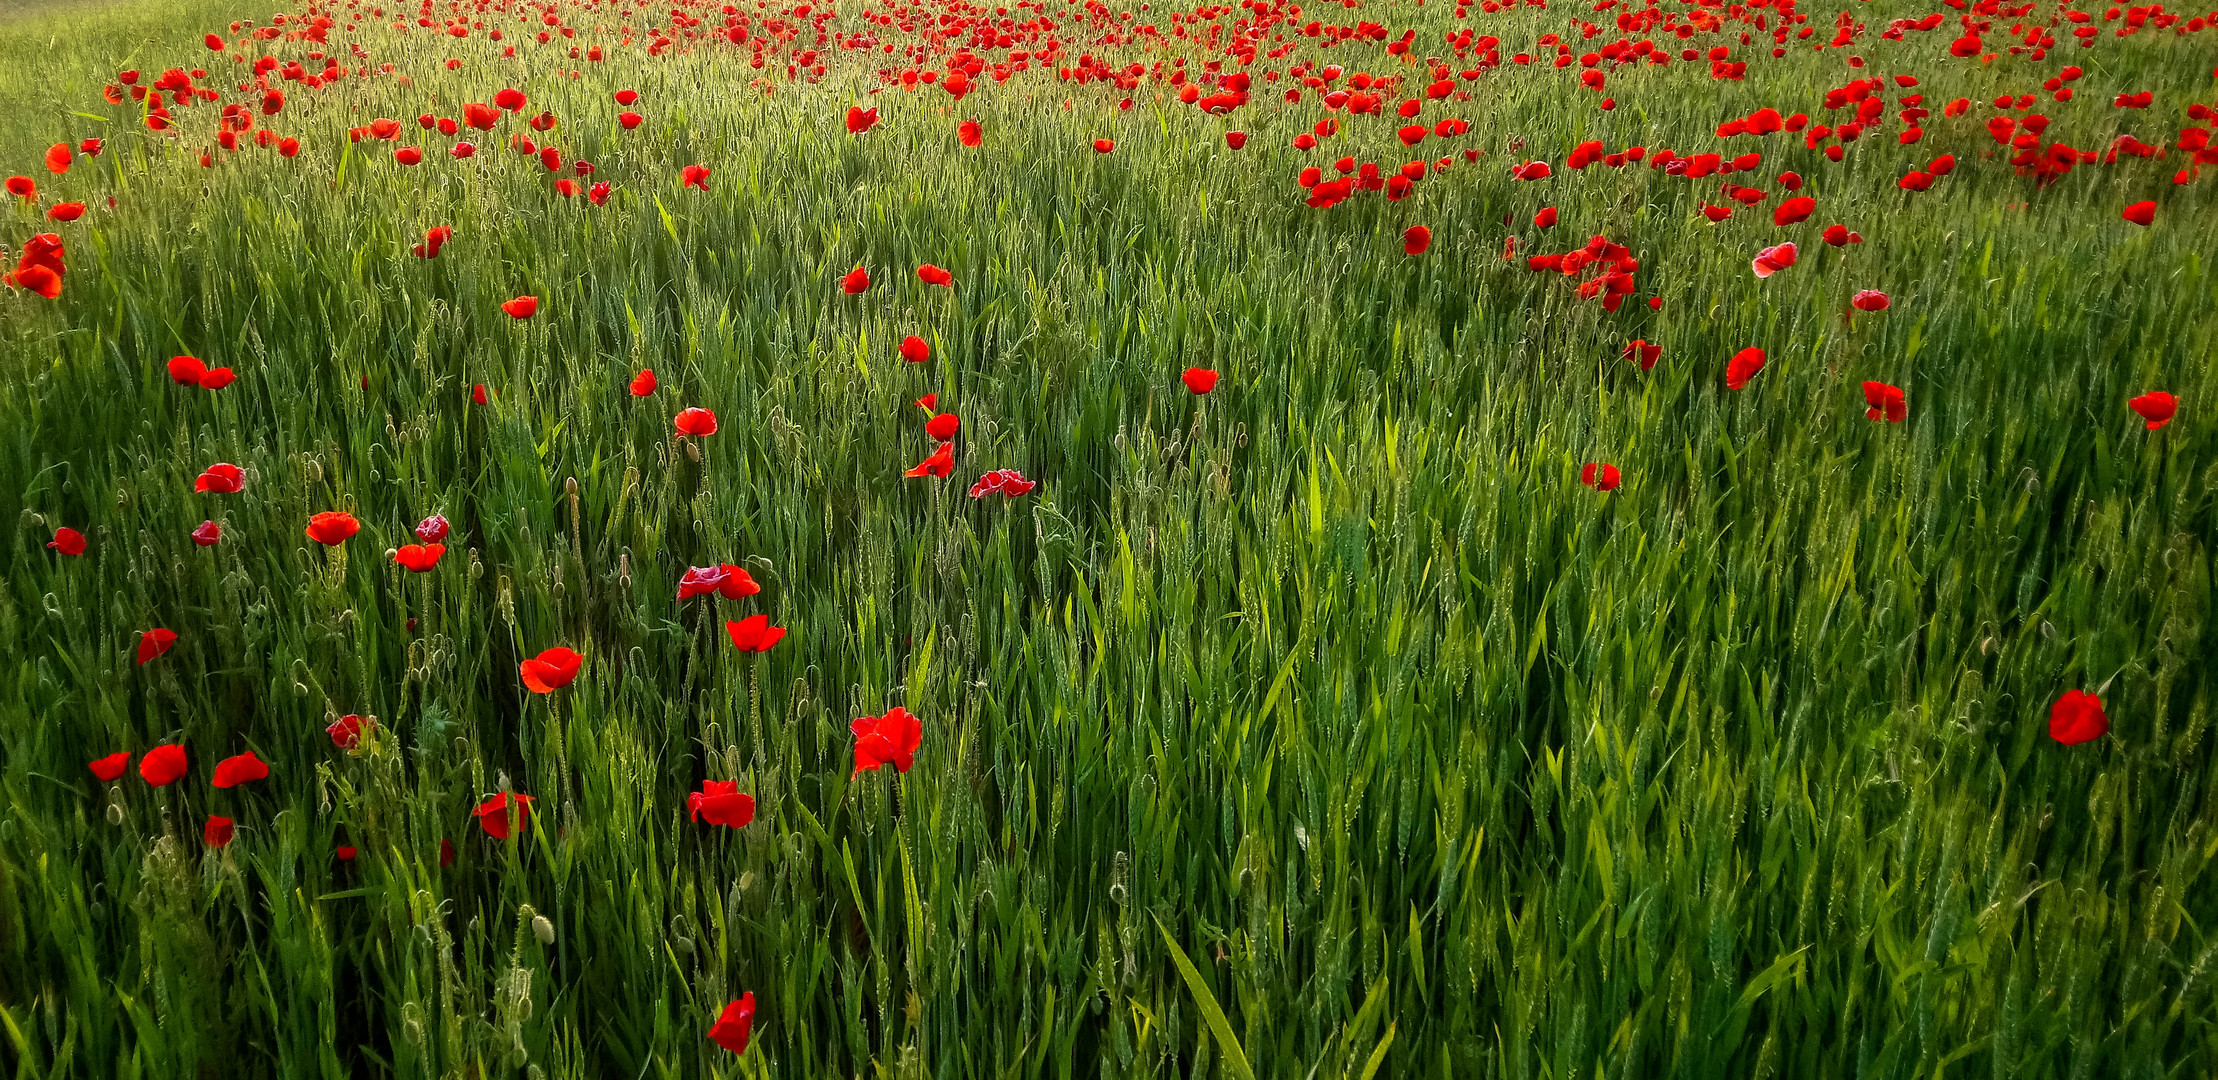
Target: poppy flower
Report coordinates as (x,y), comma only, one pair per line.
(446,852)
(855,281)
(1839,236)
(1007,482)
(629,120)
(509,98)
(729,581)
(929,402)
(1416,240)
(432,529)
(551,670)
(218,831)
(418,558)
(943,427)
(434,238)
(523,307)
(697,422)
(932,275)
(67,541)
(240,769)
(163,765)
(332,527)
(502,814)
(643,383)
(207,533)
(734,1023)
(941,463)
(1886,402)
(891,739)
(914,350)
(1199,380)
(1599,476)
(68,211)
(754,633)
(720,802)
(627,97)
(2077,717)
(155,642)
(408,155)
(1103,146)
(109,769)
(1546,219)
(222,478)
(460,151)
(2140,213)
(58,158)
(1641,352)
(1531,170)
(860,120)
(2156,407)
(345,852)
(1744,366)
(1869,300)
(598,194)
(346,732)
(23,187)
(1794,210)
(694,176)
(478,395)
(90,147)
(1772,259)
(1236,139)
(970,134)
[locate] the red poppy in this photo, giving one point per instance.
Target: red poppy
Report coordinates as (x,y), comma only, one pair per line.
(502,814)
(943,427)
(941,463)
(1416,240)
(1744,366)
(218,832)
(240,769)
(332,527)
(1599,476)
(1199,380)
(2140,213)
(67,541)
(523,307)
(1236,139)
(461,150)
(933,275)
(1641,352)
(434,239)
(928,402)
(1006,482)
(68,211)
(696,422)
(626,97)
(2077,717)
(58,158)
(478,395)
(891,739)
(754,633)
(1886,402)
(914,350)
(969,133)
(446,852)
(2156,407)
(1531,170)
(1546,219)
(694,176)
(155,642)
(432,529)
(109,769)
(720,802)
(418,557)
(207,533)
(163,765)
(408,155)
(598,194)
(1869,300)
(90,147)
(346,732)
(23,187)
(551,670)
(1772,259)
(729,581)
(1794,210)
(1103,146)
(509,98)
(734,1023)
(643,383)
(1839,236)
(855,281)
(860,120)
(345,852)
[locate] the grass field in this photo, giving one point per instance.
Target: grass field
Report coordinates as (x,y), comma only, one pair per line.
(1324,724)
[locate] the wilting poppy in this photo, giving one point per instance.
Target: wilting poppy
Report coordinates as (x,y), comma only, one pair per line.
(1599,476)
(2156,407)
(418,557)
(240,769)
(109,769)
(1869,300)
(969,133)
(1641,352)
(855,281)
(1772,259)
(891,739)
(941,463)
(67,541)
(163,765)
(694,176)
(754,633)
(1886,402)
(551,670)
(1103,146)
(2140,213)
(1007,482)
(728,581)
(1744,366)
(432,529)
(218,832)
(332,527)
(932,275)
(914,350)
(207,533)
(523,307)
(720,802)
(943,427)
(1199,380)
(346,732)
(502,814)
(733,1024)
(155,642)
(643,383)
(1416,240)
(2077,717)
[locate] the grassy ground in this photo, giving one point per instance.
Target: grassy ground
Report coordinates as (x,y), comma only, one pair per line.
(1322,725)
